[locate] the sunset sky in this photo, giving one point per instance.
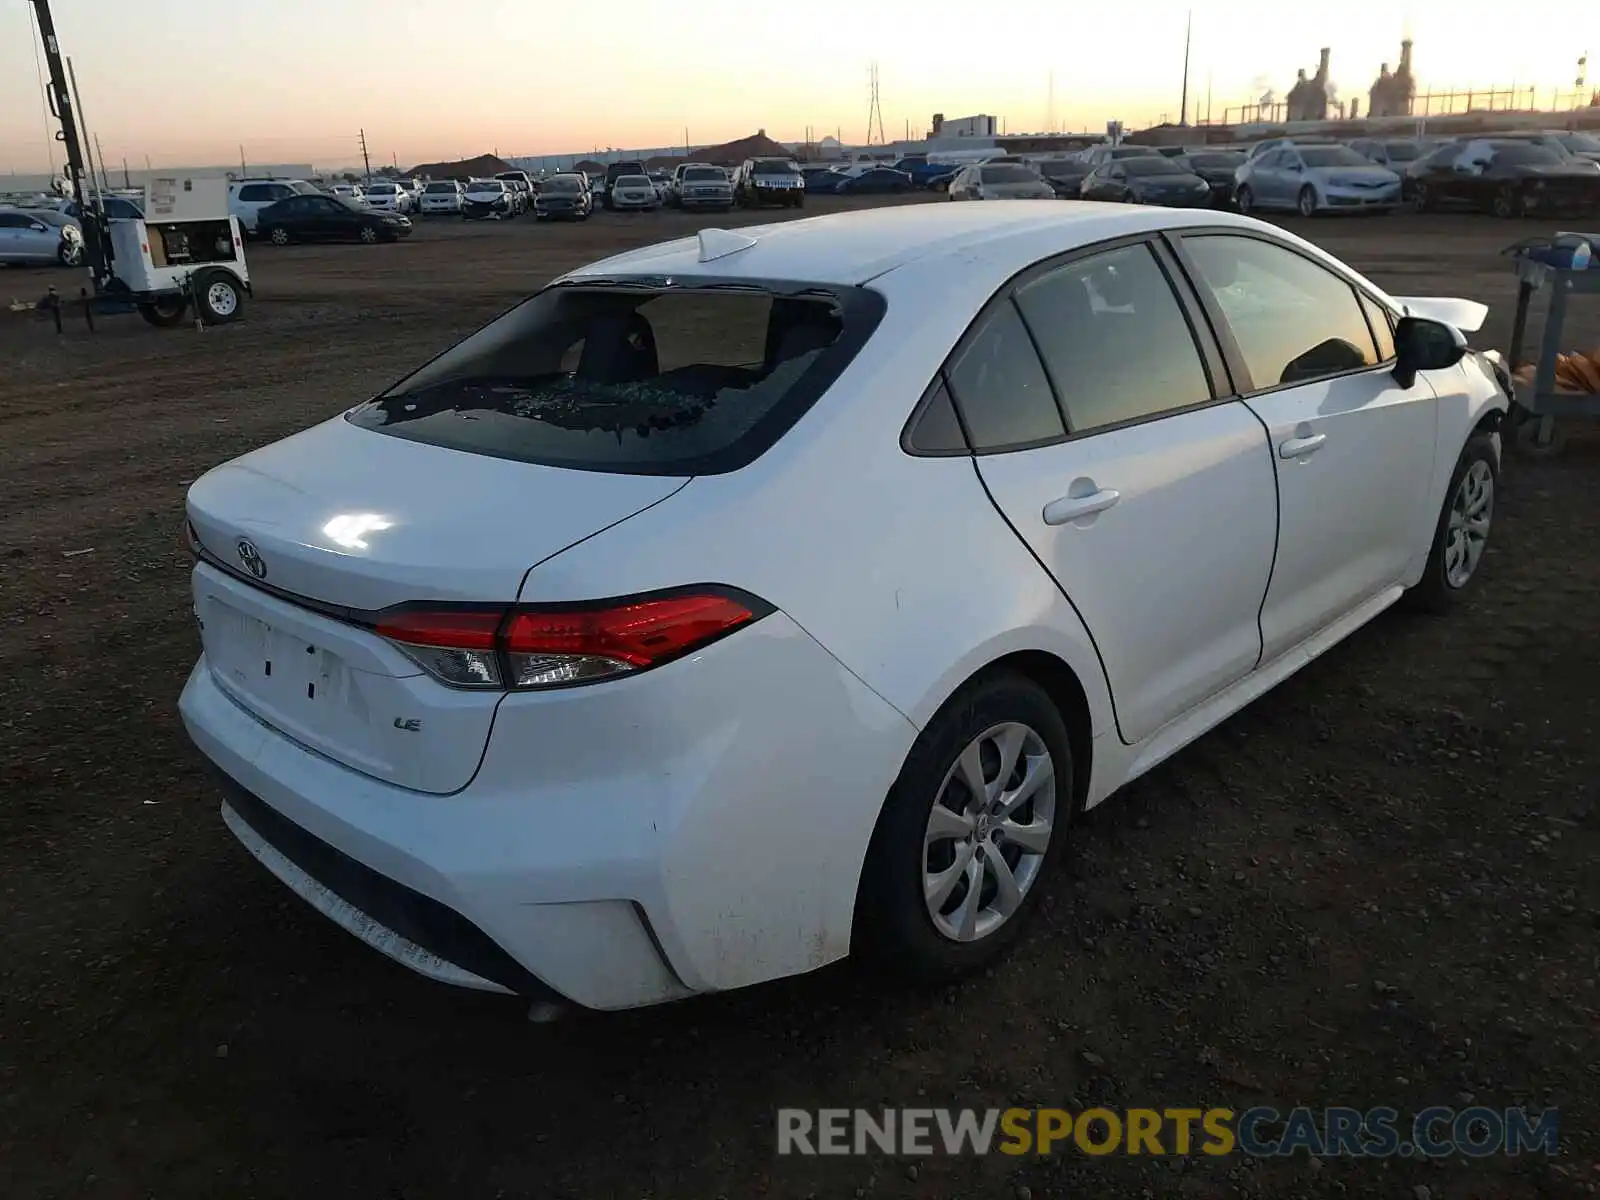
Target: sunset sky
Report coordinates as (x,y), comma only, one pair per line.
(185,82)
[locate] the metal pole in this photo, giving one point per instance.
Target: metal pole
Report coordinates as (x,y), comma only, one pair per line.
(1183,105)
(64,111)
(83,132)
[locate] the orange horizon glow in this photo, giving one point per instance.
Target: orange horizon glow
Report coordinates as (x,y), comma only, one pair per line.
(190,82)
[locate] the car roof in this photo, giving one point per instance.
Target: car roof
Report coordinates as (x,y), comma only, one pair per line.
(853,248)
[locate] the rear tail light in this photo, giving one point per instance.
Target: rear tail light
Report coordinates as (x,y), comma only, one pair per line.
(544,646)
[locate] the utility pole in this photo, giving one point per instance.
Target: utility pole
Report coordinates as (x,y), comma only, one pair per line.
(127,181)
(244,169)
(63,109)
(83,129)
(1183,105)
(100,153)
(366,161)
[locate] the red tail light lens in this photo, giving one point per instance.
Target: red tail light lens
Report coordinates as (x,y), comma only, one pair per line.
(540,647)
(455,646)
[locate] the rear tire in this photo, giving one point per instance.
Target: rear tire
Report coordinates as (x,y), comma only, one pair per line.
(166,313)
(898,928)
(1244,200)
(1306,203)
(1462,534)
(278,235)
(1422,201)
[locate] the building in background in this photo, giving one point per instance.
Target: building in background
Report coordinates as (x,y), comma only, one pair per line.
(981,126)
(1393,95)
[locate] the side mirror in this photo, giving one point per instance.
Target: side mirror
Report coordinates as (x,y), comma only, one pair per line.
(1423,345)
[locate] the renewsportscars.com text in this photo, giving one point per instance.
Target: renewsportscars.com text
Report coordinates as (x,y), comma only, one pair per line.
(1382,1132)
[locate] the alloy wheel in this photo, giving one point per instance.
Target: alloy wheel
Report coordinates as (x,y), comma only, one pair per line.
(1471,510)
(988,832)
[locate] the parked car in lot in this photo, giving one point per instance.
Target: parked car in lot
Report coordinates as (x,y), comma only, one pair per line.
(1217,168)
(702,187)
(385,195)
(440,197)
(247,197)
(1580,145)
(348,191)
(1395,153)
(634,193)
(486,199)
(762,181)
(329,219)
(31,237)
(117,208)
(1002,181)
(1152,179)
(1096,156)
(506,672)
(876,181)
(1507,177)
(1311,179)
(563,197)
(822,180)
(1064,175)
(615,171)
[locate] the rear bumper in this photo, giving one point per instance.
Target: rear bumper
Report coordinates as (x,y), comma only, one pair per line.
(621,845)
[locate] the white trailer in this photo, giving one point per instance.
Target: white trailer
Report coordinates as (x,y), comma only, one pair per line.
(186,251)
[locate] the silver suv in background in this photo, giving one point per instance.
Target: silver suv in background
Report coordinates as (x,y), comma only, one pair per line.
(700,185)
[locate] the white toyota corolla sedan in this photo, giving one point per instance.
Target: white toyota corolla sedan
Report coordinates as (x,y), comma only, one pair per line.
(756,598)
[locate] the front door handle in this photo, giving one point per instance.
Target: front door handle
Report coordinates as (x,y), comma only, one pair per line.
(1299,447)
(1073,508)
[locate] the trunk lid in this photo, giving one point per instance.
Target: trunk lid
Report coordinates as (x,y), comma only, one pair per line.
(306,538)
(356,518)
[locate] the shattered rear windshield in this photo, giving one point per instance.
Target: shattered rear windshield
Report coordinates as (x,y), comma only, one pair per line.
(634,376)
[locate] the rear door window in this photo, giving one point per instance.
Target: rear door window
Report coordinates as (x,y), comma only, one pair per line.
(1115,339)
(636,379)
(1001,388)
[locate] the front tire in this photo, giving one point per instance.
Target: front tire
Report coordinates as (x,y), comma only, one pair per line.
(1307,201)
(1244,200)
(70,254)
(278,235)
(1462,534)
(218,297)
(1507,204)
(969,832)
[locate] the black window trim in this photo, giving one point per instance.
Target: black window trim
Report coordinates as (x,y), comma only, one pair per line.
(861,311)
(1223,332)
(1214,362)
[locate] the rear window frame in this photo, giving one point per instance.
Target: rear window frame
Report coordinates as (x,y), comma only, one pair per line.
(860,310)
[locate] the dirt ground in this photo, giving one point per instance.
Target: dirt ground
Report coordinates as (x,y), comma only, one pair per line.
(1377,885)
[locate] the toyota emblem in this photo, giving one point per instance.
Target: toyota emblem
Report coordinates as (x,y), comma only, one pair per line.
(251,558)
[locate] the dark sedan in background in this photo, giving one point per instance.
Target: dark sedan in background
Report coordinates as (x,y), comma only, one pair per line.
(328,219)
(879,181)
(1217,168)
(1147,179)
(1064,175)
(1507,177)
(563,197)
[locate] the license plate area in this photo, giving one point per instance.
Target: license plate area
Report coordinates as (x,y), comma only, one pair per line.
(281,671)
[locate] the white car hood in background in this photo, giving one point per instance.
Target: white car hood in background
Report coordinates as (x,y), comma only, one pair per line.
(1466,315)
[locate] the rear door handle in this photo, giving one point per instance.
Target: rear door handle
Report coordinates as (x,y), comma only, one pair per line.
(1299,447)
(1072,508)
